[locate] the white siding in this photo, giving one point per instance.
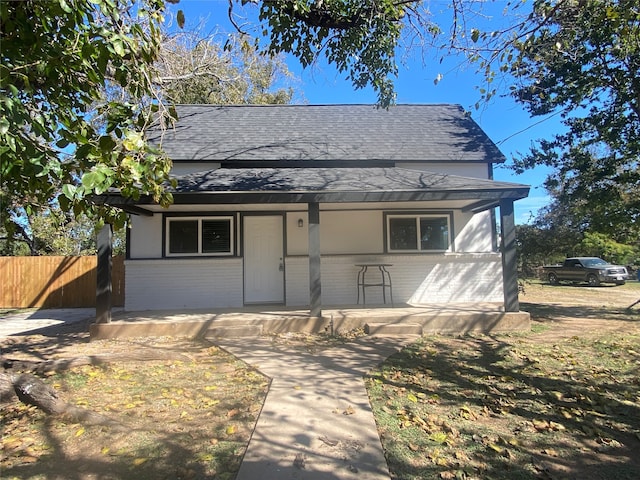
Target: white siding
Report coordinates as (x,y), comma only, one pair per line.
(470,274)
(338,280)
(297,281)
(177,284)
(416,279)
(358,231)
(297,237)
(351,232)
(342,232)
(145,237)
(449,279)
(362,232)
(473,232)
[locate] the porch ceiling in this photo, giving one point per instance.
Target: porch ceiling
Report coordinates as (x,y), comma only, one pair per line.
(328,185)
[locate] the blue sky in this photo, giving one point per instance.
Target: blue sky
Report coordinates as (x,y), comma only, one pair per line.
(506,122)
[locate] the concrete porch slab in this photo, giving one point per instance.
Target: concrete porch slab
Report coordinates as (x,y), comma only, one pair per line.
(233,331)
(381,328)
(445,318)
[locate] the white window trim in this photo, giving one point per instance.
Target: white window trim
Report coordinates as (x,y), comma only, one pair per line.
(199,253)
(417,217)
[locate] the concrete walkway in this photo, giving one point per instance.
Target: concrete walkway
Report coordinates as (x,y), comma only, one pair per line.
(26,322)
(316,422)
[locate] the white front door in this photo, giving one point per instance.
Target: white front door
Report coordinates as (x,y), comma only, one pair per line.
(263,259)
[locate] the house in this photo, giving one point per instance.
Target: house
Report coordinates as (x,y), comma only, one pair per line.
(283,204)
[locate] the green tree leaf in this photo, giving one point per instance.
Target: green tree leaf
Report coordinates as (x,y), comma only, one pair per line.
(591,79)
(63,91)
(180,18)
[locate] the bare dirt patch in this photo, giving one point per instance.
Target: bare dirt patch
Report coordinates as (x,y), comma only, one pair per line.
(567,310)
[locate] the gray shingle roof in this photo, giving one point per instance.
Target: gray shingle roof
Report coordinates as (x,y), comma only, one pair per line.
(328,185)
(297,185)
(330,179)
(356,133)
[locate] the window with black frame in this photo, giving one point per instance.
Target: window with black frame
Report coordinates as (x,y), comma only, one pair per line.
(192,236)
(418,233)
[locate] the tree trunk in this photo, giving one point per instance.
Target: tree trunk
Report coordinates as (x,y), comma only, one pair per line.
(33,391)
(64,364)
(7,393)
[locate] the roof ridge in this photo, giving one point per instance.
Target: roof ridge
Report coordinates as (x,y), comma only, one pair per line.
(252,105)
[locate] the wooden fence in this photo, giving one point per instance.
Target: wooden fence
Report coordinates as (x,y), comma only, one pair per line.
(55,282)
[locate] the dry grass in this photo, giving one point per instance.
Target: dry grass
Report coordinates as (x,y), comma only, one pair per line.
(171,419)
(560,402)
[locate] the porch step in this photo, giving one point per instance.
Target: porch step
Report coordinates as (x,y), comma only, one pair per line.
(232,331)
(382,328)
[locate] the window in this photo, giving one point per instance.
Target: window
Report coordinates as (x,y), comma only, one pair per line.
(418,233)
(199,236)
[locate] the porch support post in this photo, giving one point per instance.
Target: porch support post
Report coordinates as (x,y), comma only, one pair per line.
(315,284)
(509,261)
(103,287)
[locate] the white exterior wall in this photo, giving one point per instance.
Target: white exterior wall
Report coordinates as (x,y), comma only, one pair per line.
(474,233)
(463,278)
(416,279)
(340,232)
(338,280)
(473,273)
(145,237)
(176,284)
(362,232)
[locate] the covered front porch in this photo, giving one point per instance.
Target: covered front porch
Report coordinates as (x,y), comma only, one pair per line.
(375,320)
(312,193)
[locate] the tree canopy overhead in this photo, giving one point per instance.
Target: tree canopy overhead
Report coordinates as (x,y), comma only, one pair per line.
(583,61)
(60,130)
(359,37)
(89,129)
(197,68)
(79,86)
